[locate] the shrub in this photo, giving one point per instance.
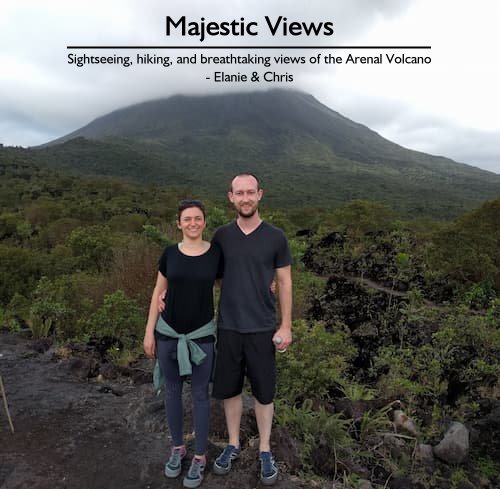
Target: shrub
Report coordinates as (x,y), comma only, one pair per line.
(60,303)
(50,308)
(314,363)
(317,430)
(460,359)
(216,217)
(92,246)
(133,268)
(19,271)
(40,328)
(119,317)
(154,234)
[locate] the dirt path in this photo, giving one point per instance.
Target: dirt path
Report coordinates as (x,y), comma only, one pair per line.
(74,432)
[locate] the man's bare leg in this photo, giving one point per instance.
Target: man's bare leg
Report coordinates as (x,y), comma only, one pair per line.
(233,409)
(264,415)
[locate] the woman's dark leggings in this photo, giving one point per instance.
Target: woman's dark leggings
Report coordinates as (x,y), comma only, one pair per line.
(200,378)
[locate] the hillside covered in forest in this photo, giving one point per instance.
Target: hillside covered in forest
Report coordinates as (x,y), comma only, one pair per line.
(307,154)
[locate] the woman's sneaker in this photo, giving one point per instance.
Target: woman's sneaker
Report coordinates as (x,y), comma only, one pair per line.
(222,464)
(173,466)
(195,473)
(268,469)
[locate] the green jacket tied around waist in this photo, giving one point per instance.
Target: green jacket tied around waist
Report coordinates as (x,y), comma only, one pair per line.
(187,350)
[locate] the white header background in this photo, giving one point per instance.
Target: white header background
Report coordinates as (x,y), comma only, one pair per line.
(450,107)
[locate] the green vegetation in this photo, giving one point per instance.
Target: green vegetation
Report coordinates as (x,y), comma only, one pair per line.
(387,309)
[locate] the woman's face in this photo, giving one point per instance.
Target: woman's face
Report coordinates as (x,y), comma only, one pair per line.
(191,222)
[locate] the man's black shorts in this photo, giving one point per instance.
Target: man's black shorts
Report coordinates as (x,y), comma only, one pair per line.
(238,354)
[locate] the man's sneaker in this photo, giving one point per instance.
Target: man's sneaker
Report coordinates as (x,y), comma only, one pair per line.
(222,464)
(195,473)
(174,465)
(268,469)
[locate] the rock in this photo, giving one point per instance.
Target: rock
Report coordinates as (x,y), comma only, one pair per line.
(109,371)
(140,376)
(403,422)
(41,345)
(286,449)
(156,406)
(83,368)
(454,447)
(323,461)
(395,444)
(404,483)
(423,453)
(485,432)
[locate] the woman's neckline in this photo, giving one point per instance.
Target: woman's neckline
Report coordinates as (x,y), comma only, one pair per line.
(203,251)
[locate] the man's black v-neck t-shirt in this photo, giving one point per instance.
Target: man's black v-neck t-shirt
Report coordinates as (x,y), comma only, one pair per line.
(247,304)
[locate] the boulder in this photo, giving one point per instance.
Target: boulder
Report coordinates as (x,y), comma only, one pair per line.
(423,454)
(454,447)
(286,449)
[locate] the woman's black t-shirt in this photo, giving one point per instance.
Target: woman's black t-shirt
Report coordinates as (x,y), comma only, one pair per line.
(189,303)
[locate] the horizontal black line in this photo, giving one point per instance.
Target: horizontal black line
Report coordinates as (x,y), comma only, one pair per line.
(248,47)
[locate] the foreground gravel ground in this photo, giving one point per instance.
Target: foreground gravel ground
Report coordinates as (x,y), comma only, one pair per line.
(76,432)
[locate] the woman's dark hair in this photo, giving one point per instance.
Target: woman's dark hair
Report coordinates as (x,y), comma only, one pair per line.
(187,204)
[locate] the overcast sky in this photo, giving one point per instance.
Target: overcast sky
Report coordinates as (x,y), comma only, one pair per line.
(449,107)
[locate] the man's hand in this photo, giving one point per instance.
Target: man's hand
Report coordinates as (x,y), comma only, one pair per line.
(161,300)
(285,333)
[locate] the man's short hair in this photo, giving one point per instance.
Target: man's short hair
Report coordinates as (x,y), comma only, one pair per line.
(244,175)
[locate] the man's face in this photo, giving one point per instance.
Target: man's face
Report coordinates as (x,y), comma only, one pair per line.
(245,195)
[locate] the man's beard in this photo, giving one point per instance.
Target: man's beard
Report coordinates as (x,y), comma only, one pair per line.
(249,213)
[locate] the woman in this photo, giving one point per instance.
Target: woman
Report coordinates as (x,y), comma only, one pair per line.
(183,336)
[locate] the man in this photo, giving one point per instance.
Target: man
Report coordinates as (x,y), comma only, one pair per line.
(254,254)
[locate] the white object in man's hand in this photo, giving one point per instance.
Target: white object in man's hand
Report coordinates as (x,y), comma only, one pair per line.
(277,341)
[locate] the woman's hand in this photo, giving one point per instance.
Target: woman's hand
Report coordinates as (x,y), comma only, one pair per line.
(149,344)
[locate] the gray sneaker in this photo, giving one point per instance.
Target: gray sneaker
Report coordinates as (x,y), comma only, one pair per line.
(173,466)
(195,473)
(222,464)
(268,469)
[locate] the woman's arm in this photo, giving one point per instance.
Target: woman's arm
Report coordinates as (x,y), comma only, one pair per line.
(149,335)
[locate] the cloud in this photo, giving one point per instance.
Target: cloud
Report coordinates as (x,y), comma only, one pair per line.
(48,98)
(402,124)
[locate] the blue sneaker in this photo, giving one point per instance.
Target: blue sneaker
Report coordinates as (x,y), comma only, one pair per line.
(268,469)
(173,466)
(195,473)
(222,464)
